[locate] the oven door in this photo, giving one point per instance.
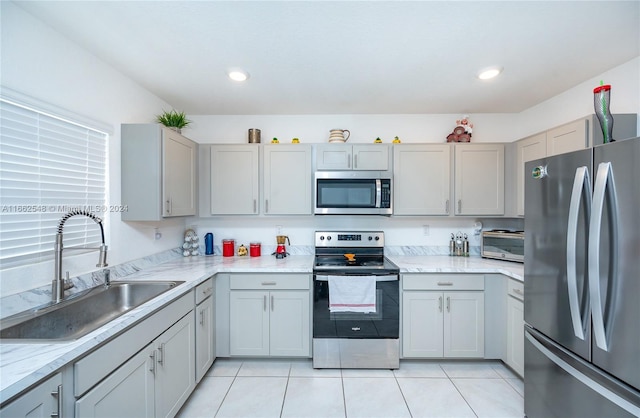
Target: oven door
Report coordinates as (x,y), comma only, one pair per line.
(384,323)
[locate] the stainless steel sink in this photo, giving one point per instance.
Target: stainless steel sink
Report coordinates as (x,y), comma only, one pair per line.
(82,313)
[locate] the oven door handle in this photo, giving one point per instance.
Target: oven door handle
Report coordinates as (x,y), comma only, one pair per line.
(383,278)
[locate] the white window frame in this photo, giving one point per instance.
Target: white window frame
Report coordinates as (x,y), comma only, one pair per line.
(49,164)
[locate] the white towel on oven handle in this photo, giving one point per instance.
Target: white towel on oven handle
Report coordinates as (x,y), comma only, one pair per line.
(352,294)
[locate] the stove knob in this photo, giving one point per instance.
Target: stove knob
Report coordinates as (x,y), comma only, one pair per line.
(377,238)
(329,238)
(321,237)
(370,237)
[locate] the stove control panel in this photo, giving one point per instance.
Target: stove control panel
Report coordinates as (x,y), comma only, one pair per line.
(349,239)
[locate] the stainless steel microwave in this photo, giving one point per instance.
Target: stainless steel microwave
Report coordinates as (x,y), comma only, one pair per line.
(503,245)
(353,193)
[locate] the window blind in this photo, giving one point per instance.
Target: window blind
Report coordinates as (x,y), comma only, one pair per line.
(48,166)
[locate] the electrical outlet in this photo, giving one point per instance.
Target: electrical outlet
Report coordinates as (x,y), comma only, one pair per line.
(425,230)
(157,234)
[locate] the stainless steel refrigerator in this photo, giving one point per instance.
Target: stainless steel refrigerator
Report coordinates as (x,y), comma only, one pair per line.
(582,283)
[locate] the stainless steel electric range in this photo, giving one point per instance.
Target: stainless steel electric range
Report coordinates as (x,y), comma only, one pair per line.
(356,302)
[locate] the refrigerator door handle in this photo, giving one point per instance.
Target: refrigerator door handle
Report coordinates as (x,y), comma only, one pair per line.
(598,388)
(604,183)
(581,187)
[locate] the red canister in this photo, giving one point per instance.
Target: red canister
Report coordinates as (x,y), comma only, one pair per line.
(228,247)
(254,249)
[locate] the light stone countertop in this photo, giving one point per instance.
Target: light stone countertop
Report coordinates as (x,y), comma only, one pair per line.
(23,365)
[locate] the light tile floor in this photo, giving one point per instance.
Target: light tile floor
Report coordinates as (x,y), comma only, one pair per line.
(292,388)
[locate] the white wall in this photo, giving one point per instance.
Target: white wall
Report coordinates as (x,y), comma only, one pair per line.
(39,62)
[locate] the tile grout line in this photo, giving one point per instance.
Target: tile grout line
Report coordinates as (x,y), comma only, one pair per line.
(402,393)
(228,390)
(286,388)
(458,390)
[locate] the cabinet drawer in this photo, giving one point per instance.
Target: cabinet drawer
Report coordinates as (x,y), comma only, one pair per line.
(516,289)
(443,282)
(204,290)
(269,281)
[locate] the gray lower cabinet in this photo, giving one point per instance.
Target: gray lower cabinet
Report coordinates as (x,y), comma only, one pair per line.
(205,317)
(154,383)
(41,401)
(443,316)
(270,315)
(515,326)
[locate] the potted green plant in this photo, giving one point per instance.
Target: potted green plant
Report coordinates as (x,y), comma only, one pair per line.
(173,119)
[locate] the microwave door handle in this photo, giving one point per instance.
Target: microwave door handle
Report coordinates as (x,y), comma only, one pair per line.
(378,193)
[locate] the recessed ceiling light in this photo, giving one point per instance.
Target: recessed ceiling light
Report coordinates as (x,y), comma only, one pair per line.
(238,75)
(489,73)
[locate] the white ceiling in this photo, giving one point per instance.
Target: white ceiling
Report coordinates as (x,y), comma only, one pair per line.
(351,57)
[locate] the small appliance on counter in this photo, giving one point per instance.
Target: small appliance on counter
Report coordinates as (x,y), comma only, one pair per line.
(503,244)
(459,245)
(281,250)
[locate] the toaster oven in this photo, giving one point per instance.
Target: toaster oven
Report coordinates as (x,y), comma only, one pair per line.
(503,245)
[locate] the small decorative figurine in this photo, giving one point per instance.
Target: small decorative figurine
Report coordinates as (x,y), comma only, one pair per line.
(396,140)
(295,141)
(462,131)
(242,250)
(377,141)
(275,141)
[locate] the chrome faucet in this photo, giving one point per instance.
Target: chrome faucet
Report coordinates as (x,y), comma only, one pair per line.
(58,283)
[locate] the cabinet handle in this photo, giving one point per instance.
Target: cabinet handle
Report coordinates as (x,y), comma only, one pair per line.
(266,206)
(440,303)
(169,206)
(202,317)
(448,304)
(446,205)
(264,303)
(58,395)
(272,303)
(348,160)
(459,205)
(269,283)
(255,205)
(445,283)
(153,362)
(518,291)
(161,354)
(355,161)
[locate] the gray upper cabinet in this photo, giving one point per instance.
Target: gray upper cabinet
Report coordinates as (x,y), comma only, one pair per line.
(373,157)
(479,179)
(233,177)
(158,173)
(421,179)
(528,149)
(287,179)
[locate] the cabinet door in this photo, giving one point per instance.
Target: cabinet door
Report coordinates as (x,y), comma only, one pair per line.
(567,138)
(422,316)
(421,179)
(371,157)
(287,179)
(234,179)
(515,335)
(175,362)
(249,323)
(178,174)
(289,324)
(479,179)
(528,149)
(205,337)
(464,324)
(333,157)
(127,392)
(41,401)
